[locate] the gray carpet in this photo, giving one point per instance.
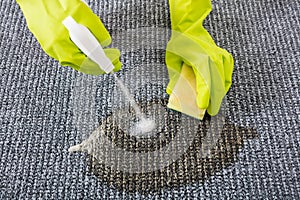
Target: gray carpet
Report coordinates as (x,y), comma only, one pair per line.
(257,155)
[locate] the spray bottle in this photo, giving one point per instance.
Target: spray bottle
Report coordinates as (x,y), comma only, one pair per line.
(88,44)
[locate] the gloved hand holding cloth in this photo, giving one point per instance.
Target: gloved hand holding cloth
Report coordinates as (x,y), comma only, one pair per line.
(200,72)
(44,19)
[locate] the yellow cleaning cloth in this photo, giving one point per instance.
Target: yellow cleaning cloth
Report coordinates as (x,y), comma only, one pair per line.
(184,95)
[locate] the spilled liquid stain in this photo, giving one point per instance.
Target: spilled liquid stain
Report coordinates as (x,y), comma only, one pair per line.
(190,167)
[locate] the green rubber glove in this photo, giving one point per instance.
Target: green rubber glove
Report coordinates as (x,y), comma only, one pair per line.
(44,19)
(192,44)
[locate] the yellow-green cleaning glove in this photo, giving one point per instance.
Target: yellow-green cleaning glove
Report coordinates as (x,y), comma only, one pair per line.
(44,19)
(192,47)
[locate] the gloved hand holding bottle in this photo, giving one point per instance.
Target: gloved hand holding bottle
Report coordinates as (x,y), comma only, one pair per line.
(45,20)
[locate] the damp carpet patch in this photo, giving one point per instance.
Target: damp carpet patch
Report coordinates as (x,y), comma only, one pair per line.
(46,108)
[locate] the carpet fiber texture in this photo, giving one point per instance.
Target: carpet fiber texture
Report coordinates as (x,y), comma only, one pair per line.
(46,108)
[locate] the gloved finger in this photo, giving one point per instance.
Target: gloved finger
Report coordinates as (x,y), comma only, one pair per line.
(90,67)
(228,64)
(67,54)
(203,81)
(174,65)
(114,56)
(217,91)
(224,63)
